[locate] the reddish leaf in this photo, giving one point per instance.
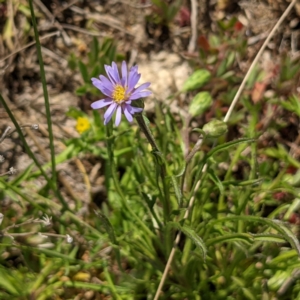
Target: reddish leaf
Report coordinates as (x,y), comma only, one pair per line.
(203,43)
(238,26)
(184,17)
(258,91)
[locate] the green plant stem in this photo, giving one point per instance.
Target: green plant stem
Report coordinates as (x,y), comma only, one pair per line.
(116,180)
(111,285)
(143,126)
(47,107)
(188,159)
(161,165)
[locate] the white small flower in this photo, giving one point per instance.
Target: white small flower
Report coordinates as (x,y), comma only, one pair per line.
(12,171)
(46,220)
(69,239)
(35,126)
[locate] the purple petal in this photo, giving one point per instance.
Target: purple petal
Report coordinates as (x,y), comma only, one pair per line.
(118,116)
(133,78)
(124,74)
(113,73)
(127,113)
(99,85)
(109,112)
(108,70)
(139,95)
(142,86)
(101,103)
(116,72)
(107,83)
(133,81)
(132,110)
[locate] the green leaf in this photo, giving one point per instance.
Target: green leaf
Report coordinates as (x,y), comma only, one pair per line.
(75,113)
(277,225)
(94,51)
(228,238)
(111,234)
(269,237)
(107,226)
(22,176)
(228,145)
(216,180)
(84,72)
(196,80)
(9,283)
(276,282)
(189,232)
(200,104)
(283,257)
(82,90)
(248,294)
(178,193)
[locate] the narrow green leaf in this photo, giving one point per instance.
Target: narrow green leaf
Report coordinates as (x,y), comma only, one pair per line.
(111,234)
(276,224)
(269,237)
(84,72)
(189,232)
(178,193)
(8,283)
(248,294)
(283,257)
(107,226)
(216,180)
(228,145)
(228,238)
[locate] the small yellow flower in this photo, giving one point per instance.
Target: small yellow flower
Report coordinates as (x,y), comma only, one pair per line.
(83,124)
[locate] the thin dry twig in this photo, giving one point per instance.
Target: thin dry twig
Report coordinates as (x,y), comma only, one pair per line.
(84,31)
(28,45)
(65,7)
(226,118)
(137,6)
(46,11)
(194,15)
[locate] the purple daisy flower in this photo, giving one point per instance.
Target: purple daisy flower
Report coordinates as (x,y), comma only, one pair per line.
(120,92)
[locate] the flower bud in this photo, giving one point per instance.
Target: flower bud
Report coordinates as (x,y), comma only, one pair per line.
(215,128)
(196,80)
(200,103)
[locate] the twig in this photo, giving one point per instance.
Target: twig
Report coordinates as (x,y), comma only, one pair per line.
(5,133)
(262,49)
(46,11)
(28,45)
(84,31)
(101,18)
(194,14)
(226,118)
(142,6)
(65,7)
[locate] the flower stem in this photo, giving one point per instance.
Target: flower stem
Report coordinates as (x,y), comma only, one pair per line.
(162,169)
(144,127)
(110,142)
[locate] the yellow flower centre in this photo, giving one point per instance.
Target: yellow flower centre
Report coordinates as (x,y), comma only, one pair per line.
(119,94)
